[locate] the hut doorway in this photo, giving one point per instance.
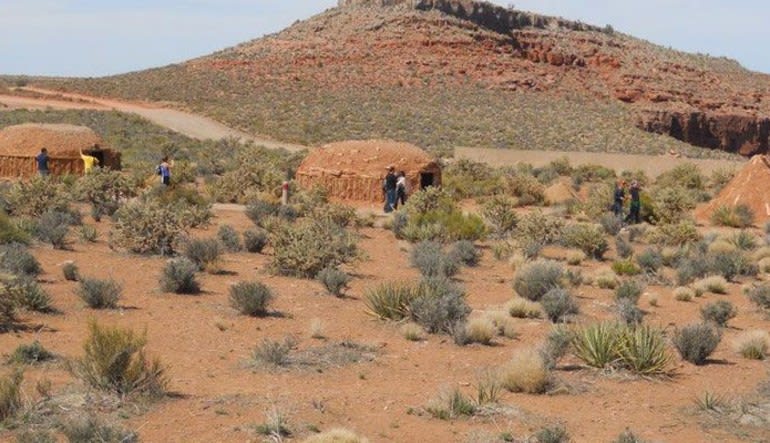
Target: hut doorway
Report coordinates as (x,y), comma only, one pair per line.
(97,153)
(426,180)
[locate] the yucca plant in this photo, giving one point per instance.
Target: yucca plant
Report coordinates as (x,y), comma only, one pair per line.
(597,344)
(390,301)
(642,350)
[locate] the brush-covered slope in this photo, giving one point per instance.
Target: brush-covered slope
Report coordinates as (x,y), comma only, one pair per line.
(444,73)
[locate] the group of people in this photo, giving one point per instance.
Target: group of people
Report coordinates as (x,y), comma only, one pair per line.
(394,187)
(634,194)
(89,162)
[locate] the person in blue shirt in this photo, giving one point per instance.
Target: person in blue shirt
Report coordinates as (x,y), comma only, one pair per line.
(165,171)
(42,162)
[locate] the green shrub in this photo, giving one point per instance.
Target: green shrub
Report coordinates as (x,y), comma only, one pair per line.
(251,298)
(623,248)
(690,268)
(7,310)
(9,232)
(744,240)
(254,240)
(526,188)
(334,280)
(552,434)
(148,228)
(31,354)
(740,216)
(29,295)
(559,304)
(629,312)
(499,212)
(430,199)
(611,223)
(538,227)
(719,312)
(70,271)
(450,405)
(629,290)
(671,204)
(99,294)
(674,234)
(556,346)
(91,428)
(303,249)
(229,238)
(10,394)
(390,301)
(533,280)
(35,436)
(258,211)
(626,267)
(115,361)
(627,437)
(205,253)
(686,175)
(760,296)
(88,234)
(731,264)
(466,179)
(695,343)
(588,238)
(179,277)
(430,259)
(465,252)
(273,352)
(650,260)
(439,306)
(15,258)
(31,198)
(444,226)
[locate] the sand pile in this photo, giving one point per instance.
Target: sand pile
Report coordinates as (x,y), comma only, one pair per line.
(61,140)
(560,192)
(749,187)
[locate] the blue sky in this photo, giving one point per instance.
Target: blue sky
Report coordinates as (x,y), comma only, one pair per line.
(101,37)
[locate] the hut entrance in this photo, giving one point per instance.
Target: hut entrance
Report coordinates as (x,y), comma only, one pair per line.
(426,180)
(97,153)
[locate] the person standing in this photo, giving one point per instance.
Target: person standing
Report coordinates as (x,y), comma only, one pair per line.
(42,162)
(89,161)
(618,197)
(636,203)
(165,171)
(401,189)
(389,186)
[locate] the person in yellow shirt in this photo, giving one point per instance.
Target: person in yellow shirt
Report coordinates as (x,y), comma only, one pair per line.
(89,162)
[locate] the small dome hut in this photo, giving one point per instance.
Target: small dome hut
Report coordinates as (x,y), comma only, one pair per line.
(355,170)
(20,144)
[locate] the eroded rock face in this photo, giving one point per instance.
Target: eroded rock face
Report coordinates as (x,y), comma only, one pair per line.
(742,134)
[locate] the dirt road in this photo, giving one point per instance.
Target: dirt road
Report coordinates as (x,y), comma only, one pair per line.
(199,127)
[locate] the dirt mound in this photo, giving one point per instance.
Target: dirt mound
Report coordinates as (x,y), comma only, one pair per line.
(749,188)
(61,140)
(560,192)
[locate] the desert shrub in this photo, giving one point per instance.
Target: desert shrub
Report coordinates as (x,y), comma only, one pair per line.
(450,404)
(439,306)
(686,175)
(525,372)
(522,308)
(753,345)
(499,212)
(258,211)
(623,248)
(465,252)
(338,435)
(629,290)
(88,234)
(540,227)
(251,298)
(587,237)
(7,309)
(390,301)
(115,361)
(674,234)
(412,332)
(597,344)
(626,267)
(607,280)
(52,227)
(480,330)
(305,248)
(732,264)
(70,271)
(650,260)
(642,350)
(193,208)
(559,304)
(29,295)
(671,204)
(695,343)
(466,178)
(99,294)
(628,312)
(627,437)
(526,188)
(398,223)
(334,280)
(430,259)
(575,258)
(9,232)
(611,224)
(91,428)
(105,190)
(35,436)
(760,296)
(740,216)
(556,346)
(10,394)
(533,280)
(744,240)
(690,268)
(430,199)
(503,323)
(254,240)
(204,252)
(444,226)
(715,284)
(148,228)
(31,354)
(720,246)
(179,277)
(273,352)
(683,294)
(552,434)
(229,238)
(719,312)
(34,197)
(16,259)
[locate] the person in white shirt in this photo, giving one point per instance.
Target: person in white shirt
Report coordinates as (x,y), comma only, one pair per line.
(401,188)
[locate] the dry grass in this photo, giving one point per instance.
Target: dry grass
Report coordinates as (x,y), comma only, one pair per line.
(520,307)
(525,372)
(753,345)
(715,284)
(337,435)
(480,330)
(412,332)
(684,294)
(505,325)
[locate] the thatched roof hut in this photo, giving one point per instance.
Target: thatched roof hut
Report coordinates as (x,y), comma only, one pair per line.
(21,143)
(354,170)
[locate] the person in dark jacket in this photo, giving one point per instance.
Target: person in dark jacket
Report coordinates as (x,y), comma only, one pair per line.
(636,203)
(42,162)
(389,186)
